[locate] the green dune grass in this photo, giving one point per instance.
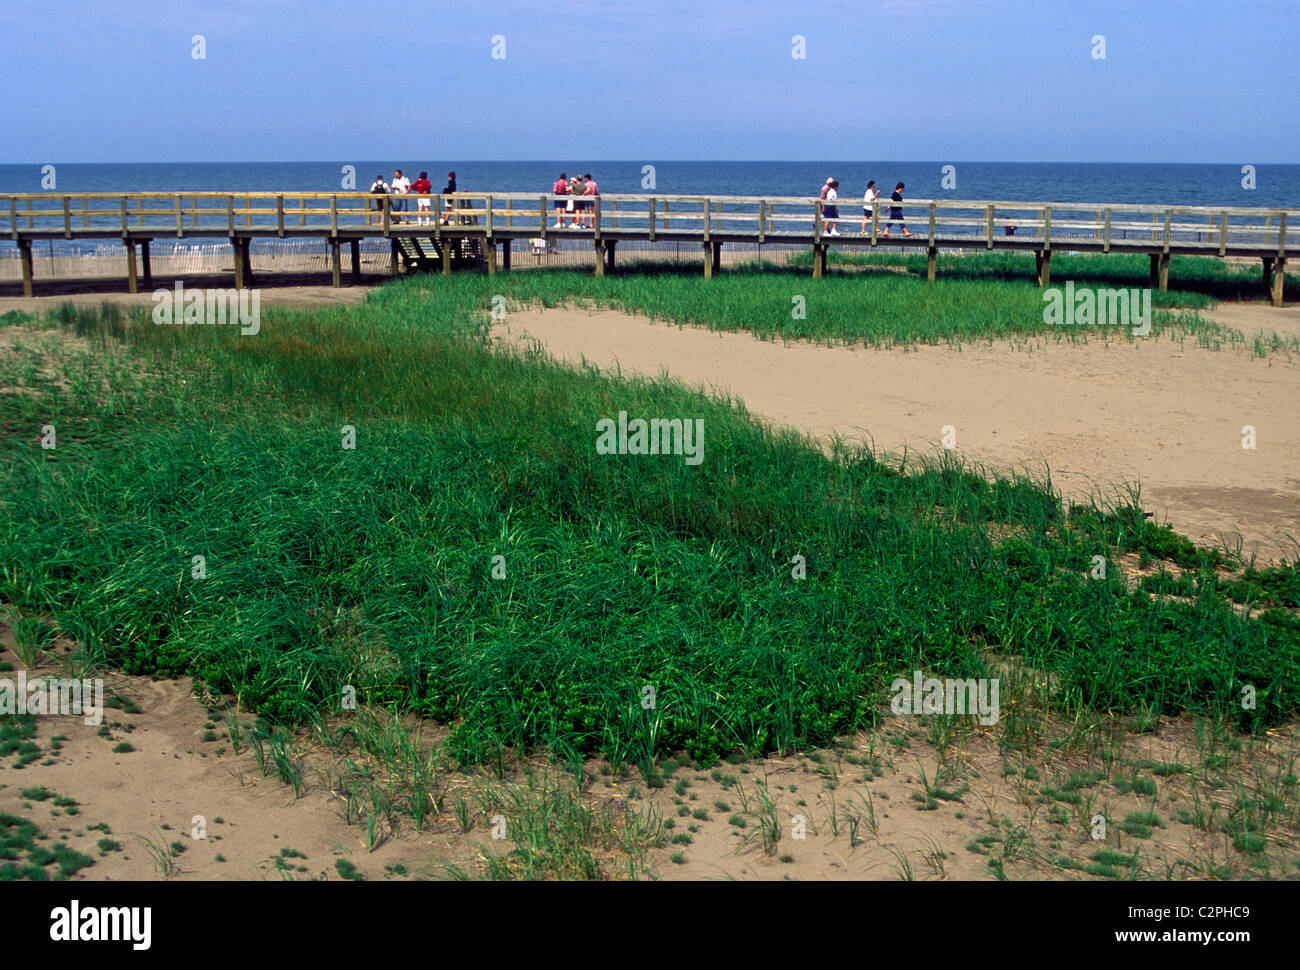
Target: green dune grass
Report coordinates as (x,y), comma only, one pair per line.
(325,567)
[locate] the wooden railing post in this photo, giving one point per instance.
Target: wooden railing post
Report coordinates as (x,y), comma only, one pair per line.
(932,210)
(1168,215)
(1105,243)
(817,221)
(67,218)
(652,218)
(1281,235)
(1223,233)
(13,217)
(1047,228)
(180,218)
(541,211)
(665,215)
(302,211)
(230,215)
(334,220)
(279,215)
(762,220)
(125,226)
(707,220)
(988,226)
(875,220)
(488,223)
(595,223)
(248,210)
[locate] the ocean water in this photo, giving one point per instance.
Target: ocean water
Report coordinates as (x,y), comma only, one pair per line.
(1159,184)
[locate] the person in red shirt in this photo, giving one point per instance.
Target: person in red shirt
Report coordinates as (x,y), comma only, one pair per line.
(422,186)
(589,189)
(561,187)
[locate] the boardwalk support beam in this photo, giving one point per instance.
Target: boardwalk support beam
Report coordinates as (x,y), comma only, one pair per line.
(1043,266)
(355,246)
(132,273)
(336,267)
(1160,271)
(145,264)
(1274,278)
(25,255)
(396,254)
(708,259)
(819,262)
(610,246)
(236,248)
(505,255)
(600,256)
(931,261)
(490,256)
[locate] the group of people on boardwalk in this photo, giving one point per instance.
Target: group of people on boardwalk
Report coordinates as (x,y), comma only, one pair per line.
(577,205)
(402,186)
(831,211)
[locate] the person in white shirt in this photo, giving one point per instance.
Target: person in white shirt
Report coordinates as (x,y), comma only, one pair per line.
(400,186)
(872,195)
(830,210)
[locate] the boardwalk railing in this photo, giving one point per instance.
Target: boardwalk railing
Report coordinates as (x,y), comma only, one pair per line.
(1271,235)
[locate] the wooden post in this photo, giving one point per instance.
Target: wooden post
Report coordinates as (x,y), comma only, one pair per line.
(931,242)
(67,218)
(988,226)
(762,208)
(396,256)
(490,256)
(708,259)
(180,219)
(652,218)
(302,211)
(600,257)
(505,254)
(1163,274)
(1105,244)
(248,211)
(931,259)
(25,255)
(875,221)
(1223,233)
(665,215)
(1279,280)
(237,245)
(541,212)
(132,277)
(609,255)
(145,264)
(336,269)
(445,246)
(819,261)
(279,215)
(355,246)
(1155,271)
(717,257)
(1043,266)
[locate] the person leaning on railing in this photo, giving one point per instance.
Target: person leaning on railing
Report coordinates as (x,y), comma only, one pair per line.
(449,189)
(378,187)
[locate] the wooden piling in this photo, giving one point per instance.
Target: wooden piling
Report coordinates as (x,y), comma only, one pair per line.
(132,272)
(819,261)
(931,260)
(505,254)
(355,246)
(25,256)
(396,256)
(236,246)
(708,260)
(145,264)
(1279,280)
(336,269)
(600,256)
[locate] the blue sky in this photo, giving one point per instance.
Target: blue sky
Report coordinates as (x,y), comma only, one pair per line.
(997,80)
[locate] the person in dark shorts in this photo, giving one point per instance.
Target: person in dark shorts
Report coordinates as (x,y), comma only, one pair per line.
(830,209)
(449,189)
(561,187)
(896,211)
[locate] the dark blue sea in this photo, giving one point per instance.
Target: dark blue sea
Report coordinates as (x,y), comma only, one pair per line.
(1159,184)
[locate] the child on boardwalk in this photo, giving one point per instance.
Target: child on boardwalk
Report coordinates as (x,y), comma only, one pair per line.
(830,210)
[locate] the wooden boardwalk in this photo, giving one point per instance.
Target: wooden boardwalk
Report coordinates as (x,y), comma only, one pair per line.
(481,227)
